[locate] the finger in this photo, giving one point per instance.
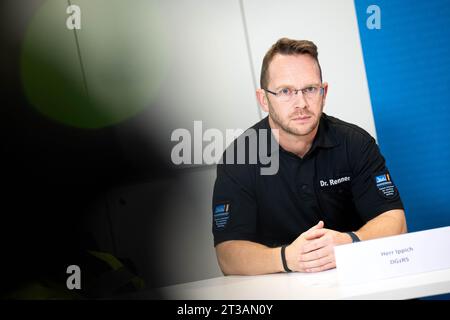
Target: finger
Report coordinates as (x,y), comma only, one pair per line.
(316,263)
(313,234)
(319,225)
(315,244)
(327,266)
(316,254)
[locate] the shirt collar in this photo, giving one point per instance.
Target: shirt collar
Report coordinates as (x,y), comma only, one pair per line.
(325,137)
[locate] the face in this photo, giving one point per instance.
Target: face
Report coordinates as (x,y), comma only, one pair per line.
(299,116)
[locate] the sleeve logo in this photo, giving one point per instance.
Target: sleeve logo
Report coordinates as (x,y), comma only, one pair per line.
(221,215)
(385,186)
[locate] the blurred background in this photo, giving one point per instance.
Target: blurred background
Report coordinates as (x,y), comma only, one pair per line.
(87,116)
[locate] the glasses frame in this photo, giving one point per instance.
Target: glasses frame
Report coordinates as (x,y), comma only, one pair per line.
(296,91)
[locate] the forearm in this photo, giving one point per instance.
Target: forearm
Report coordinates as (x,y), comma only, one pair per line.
(239,257)
(389,223)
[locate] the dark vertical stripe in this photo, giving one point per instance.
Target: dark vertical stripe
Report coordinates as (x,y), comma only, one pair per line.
(249,52)
(80,59)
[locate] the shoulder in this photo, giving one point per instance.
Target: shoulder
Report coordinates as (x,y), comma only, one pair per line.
(240,160)
(356,144)
(246,145)
(347,133)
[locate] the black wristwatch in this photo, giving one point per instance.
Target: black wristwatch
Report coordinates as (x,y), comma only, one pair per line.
(353,236)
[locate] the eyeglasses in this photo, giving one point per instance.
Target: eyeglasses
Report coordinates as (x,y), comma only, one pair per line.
(286,94)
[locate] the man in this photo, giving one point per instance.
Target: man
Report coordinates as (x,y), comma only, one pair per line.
(332,186)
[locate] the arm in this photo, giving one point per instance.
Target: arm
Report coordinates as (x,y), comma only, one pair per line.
(251,258)
(312,251)
(389,223)
(318,253)
(248,258)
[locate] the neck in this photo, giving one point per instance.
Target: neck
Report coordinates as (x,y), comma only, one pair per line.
(295,144)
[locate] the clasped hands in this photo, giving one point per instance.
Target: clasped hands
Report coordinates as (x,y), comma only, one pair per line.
(313,250)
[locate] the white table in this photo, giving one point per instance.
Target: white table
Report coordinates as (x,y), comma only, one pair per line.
(323,285)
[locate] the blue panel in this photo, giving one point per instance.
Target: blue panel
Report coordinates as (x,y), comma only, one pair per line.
(408,71)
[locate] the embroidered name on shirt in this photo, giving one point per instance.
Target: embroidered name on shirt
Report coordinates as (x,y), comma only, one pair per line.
(334,182)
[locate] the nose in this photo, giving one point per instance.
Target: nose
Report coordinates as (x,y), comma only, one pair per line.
(299,100)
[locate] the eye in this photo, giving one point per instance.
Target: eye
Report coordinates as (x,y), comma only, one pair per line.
(285,92)
(310,90)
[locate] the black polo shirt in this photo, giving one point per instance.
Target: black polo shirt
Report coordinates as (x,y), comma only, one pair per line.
(342,180)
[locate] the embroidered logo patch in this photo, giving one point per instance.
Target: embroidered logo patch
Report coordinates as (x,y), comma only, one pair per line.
(385,185)
(221,215)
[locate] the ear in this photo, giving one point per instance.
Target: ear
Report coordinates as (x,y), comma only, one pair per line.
(262,99)
(325,91)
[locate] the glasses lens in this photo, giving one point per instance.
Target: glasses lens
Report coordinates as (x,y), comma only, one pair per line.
(285,94)
(311,92)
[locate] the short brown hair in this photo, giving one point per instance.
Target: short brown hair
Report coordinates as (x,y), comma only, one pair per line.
(287,46)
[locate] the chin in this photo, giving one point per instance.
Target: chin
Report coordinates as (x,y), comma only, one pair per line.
(302,130)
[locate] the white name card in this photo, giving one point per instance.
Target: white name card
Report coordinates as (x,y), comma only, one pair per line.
(394,256)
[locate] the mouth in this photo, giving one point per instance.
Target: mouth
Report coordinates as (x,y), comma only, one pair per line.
(301,118)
